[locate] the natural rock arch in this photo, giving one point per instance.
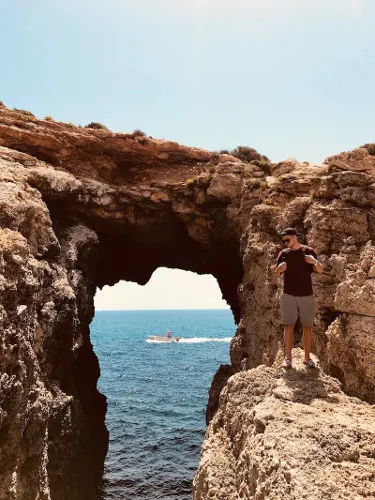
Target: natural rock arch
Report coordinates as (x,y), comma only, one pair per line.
(145,206)
(82,208)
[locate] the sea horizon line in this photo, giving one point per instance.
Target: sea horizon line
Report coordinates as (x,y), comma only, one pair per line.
(172,309)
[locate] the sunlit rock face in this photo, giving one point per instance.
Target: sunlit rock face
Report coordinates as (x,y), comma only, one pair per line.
(287,435)
(334,211)
(84,207)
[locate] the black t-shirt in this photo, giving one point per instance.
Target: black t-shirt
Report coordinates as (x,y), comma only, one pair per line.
(297,277)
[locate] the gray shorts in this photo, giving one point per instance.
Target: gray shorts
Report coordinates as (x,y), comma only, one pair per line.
(292,307)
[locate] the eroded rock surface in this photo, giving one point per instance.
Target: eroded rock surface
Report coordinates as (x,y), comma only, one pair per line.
(82,208)
(291,435)
(49,405)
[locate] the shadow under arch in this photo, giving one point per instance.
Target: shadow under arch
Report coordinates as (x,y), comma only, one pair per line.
(135,259)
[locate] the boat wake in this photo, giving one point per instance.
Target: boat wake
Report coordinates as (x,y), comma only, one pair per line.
(199,340)
(193,340)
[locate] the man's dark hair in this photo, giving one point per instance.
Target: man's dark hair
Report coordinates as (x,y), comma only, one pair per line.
(288,231)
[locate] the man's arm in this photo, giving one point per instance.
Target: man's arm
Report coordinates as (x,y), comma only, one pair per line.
(312,258)
(280,265)
(318,267)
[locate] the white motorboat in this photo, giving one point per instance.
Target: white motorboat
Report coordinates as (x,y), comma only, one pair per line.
(163,339)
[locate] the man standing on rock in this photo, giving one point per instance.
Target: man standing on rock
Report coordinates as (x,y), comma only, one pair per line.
(297,262)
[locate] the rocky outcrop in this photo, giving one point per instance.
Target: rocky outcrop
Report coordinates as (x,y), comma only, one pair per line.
(63,232)
(334,211)
(50,408)
(287,435)
(85,207)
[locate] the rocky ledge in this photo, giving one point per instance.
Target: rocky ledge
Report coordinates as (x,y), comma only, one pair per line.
(85,207)
(292,435)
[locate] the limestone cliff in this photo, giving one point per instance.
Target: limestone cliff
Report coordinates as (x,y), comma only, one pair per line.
(85,207)
(287,435)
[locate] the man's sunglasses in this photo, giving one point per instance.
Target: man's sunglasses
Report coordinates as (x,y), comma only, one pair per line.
(287,240)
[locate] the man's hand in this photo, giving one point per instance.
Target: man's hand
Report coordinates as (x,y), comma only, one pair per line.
(317,265)
(311,260)
(280,268)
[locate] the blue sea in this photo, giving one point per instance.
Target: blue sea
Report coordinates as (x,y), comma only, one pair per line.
(157,396)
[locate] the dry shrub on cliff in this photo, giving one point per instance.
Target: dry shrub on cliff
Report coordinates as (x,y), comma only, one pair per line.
(370,148)
(2,105)
(264,165)
(96,125)
(49,119)
(250,155)
(245,153)
(138,133)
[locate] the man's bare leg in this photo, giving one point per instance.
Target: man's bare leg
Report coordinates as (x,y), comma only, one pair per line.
(307,338)
(288,340)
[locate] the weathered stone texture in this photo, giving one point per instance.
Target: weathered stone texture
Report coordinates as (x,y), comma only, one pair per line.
(46,426)
(293,435)
(84,208)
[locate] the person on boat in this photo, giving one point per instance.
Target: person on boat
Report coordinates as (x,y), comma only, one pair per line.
(169,334)
(297,262)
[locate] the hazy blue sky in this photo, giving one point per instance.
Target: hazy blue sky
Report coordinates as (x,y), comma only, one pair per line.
(288,77)
(167,289)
